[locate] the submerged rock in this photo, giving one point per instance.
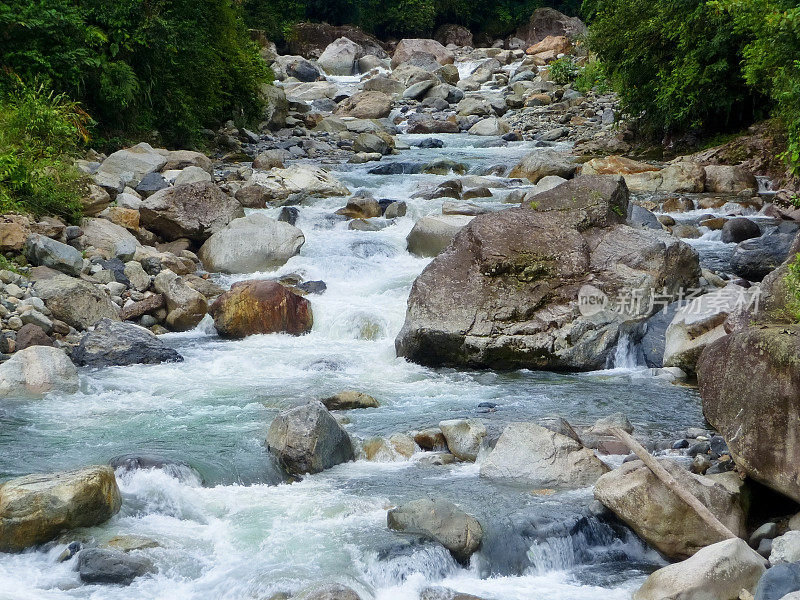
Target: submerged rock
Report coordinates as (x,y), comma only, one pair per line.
(307,439)
(529,454)
(97,565)
(349,399)
(718,571)
(260,306)
(661,518)
(115,343)
(440,521)
(34,509)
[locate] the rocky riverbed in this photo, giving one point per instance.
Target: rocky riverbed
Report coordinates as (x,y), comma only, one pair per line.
(377,349)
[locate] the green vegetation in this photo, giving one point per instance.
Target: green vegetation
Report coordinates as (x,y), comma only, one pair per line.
(138,65)
(398,18)
(40,133)
(563,71)
(592,77)
(708,65)
(792,280)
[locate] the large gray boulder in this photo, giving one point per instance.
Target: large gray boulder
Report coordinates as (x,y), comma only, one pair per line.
(464,437)
(717,572)
(537,165)
(750,384)
(128,166)
(112,240)
(307,439)
(76,302)
(511,289)
(113,343)
(340,57)
(195,211)
(755,258)
(663,519)
(529,454)
(407,47)
(37,370)
(548,21)
(432,234)
(440,521)
(729,179)
(35,509)
(250,244)
(43,251)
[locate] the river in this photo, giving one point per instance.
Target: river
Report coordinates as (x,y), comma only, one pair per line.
(229,527)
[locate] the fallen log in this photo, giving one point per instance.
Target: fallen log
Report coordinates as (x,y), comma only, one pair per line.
(669,481)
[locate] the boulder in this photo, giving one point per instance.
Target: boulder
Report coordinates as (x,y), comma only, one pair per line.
(113,343)
(186,307)
(749,382)
(432,234)
(349,399)
(37,370)
(328,591)
(195,211)
(369,142)
(340,57)
(191,175)
(251,244)
(738,230)
(260,306)
(664,520)
(529,454)
(453,34)
(440,521)
(616,165)
(130,165)
(678,177)
(464,437)
(780,582)
(307,439)
(394,448)
(35,509)
(537,165)
(489,126)
(719,572)
(700,322)
(46,252)
(548,21)
(32,335)
(407,47)
(427,123)
(754,259)
(505,293)
(308,92)
(785,548)
(557,44)
(105,566)
(365,105)
(725,179)
(110,239)
(306,179)
(76,302)
(182,159)
(311,39)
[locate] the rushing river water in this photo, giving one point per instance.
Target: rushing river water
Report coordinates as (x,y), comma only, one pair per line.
(230,528)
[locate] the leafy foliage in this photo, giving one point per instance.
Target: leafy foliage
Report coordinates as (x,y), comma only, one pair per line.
(675,62)
(40,133)
(592,77)
(772,58)
(174,65)
(398,17)
(563,71)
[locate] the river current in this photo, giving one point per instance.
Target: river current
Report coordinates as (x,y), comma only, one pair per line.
(227,524)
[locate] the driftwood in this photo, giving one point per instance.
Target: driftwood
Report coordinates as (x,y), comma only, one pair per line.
(668,480)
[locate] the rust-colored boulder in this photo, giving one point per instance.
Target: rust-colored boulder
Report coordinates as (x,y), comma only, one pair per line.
(260,306)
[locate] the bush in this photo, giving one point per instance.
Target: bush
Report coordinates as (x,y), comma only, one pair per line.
(563,71)
(772,59)
(677,63)
(40,133)
(592,77)
(174,65)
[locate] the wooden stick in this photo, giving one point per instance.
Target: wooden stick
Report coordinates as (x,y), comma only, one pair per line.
(668,480)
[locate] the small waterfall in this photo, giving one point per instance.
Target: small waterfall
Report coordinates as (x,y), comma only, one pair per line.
(627,354)
(765,186)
